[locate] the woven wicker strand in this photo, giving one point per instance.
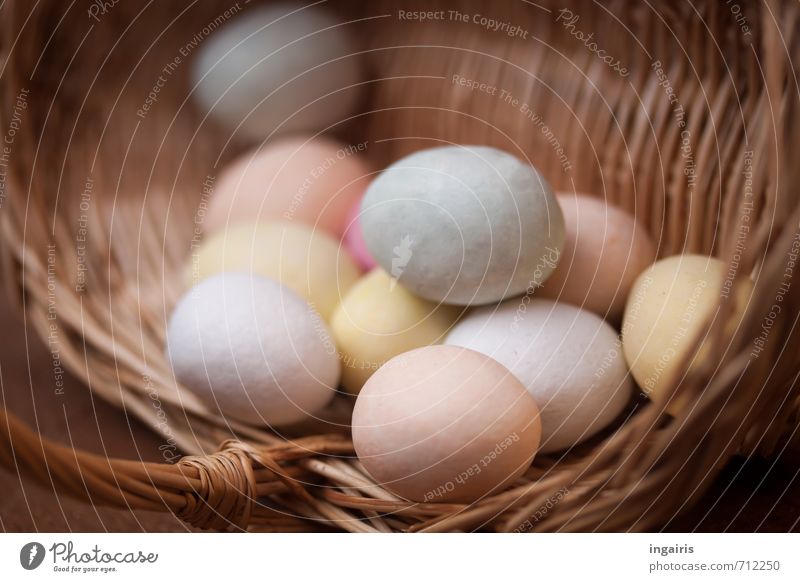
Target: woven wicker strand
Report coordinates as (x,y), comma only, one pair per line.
(81,139)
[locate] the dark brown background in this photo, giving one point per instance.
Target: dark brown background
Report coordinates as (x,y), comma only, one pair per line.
(756,495)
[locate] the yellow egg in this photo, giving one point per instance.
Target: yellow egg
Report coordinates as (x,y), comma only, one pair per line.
(667,308)
(378,320)
(304,259)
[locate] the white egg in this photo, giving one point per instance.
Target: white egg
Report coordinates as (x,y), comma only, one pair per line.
(252,349)
(281,67)
(570,361)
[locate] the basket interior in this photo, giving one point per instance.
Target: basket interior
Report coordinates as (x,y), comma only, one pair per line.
(108,200)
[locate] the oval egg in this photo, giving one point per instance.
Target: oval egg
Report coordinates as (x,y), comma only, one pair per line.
(464,225)
(300,179)
(378,320)
(669,305)
(279,68)
(605,250)
(252,350)
(445,424)
(568,359)
(354,239)
(307,261)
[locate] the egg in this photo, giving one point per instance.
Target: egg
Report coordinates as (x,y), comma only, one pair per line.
(445,424)
(463,224)
(301,179)
(276,69)
(354,239)
(669,305)
(252,350)
(378,320)
(306,260)
(605,249)
(568,359)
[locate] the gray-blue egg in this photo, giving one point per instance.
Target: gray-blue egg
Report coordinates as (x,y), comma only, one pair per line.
(279,68)
(466,225)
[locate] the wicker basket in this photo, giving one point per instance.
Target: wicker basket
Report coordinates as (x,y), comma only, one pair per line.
(691,125)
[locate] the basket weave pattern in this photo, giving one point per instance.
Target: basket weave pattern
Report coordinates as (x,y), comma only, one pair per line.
(102,203)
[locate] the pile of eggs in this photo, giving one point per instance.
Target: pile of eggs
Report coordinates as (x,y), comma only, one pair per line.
(473,315)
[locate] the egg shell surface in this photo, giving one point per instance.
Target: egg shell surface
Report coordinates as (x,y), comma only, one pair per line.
(567,358)
(444,424)
(300,179)
(279,68)
(669,305)
(605,250)
(354,239)
(305,260)
(378,320)
(463,224)
(252,350)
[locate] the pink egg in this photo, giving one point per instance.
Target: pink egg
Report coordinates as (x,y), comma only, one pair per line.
(354,239)
(605,250)
(445,424)
(315,181)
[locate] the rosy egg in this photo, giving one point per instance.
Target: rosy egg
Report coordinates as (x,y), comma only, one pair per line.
(605,249)
(445,424)
(354,239)
(301,179)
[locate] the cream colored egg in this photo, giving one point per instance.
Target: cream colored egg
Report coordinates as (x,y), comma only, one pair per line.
(445,424)
(379,319)
(302,179)
(252,350)
(669,305)
(306,260)
(605,249)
